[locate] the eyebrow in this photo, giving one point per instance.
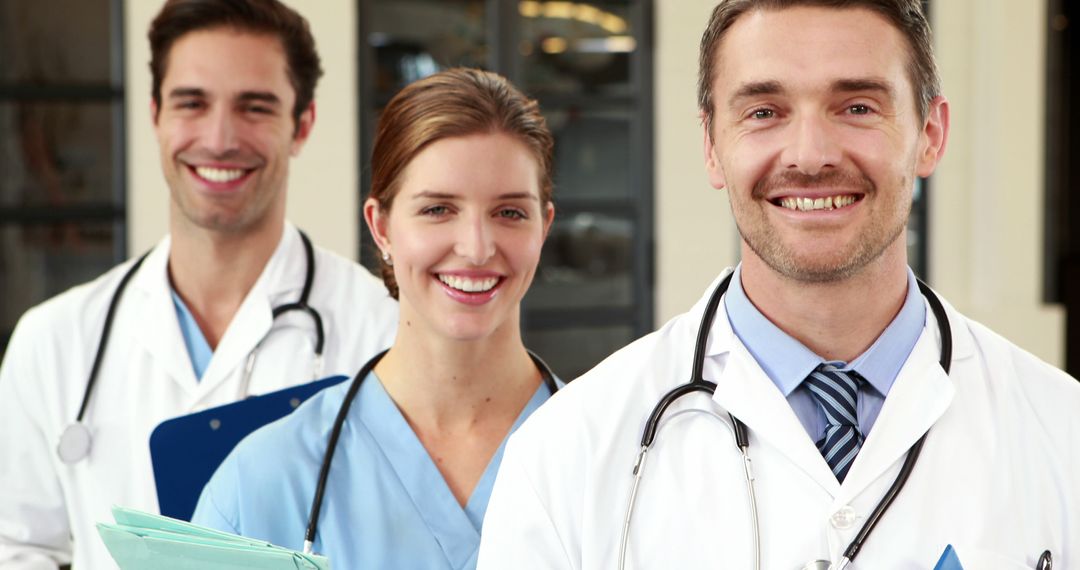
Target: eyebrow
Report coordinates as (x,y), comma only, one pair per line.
(259,96)
(245,97)
(430,194)
(773,87)
(180,92)
(755,89)
(864,84)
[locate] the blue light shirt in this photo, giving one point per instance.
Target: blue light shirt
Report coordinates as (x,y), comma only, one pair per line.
(386,503)
(199,350)
(787,362)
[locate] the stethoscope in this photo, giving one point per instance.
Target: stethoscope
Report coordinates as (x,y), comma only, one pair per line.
(698,383)
(76,441)
(339,423)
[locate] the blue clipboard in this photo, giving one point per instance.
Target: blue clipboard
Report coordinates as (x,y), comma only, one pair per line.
(185,451)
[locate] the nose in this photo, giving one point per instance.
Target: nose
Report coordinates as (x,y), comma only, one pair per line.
(475,240)
(812,147)
(219,136)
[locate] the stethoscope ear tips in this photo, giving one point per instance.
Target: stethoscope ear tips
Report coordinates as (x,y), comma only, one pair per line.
(74,443)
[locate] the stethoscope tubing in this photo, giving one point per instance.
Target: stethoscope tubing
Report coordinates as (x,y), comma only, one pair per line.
(300,305)
(339,424)
(697,383)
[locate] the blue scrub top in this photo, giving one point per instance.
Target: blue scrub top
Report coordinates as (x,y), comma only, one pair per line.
(386,504)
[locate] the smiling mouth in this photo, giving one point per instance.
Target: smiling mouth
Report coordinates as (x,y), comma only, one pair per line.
(219,175)
(814,204)
(469,285)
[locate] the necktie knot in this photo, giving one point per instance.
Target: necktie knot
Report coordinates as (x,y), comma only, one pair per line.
(837,392)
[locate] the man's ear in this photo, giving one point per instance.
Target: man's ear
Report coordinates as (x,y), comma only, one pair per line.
(153,111)
(376,220)
(712,161)
(303,129)
(934,136)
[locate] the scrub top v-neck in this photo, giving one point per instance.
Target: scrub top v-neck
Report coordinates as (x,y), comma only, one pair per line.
(386,504)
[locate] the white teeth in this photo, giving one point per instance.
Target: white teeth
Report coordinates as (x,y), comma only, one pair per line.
(469,285)
(809,204)
(219,174)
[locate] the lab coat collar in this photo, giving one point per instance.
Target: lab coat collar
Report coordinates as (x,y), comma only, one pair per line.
(283,276)
(920,395)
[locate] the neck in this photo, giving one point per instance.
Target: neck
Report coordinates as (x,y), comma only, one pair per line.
(838,320)
(445,385)
(214,271)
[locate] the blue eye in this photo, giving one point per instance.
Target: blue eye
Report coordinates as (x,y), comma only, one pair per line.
(762,114)
(435,210)
(512,214)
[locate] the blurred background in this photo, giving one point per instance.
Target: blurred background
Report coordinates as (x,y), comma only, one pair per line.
(639,234)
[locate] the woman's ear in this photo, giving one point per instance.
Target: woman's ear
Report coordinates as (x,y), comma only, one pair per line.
(377,220)
(549,217)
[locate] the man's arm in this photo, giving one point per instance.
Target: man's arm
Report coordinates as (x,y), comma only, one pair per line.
(34,531)
(518,529)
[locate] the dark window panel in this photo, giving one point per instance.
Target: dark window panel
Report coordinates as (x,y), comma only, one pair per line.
(415,38)
(587,261)
(917,231)
(38,261)
(572,351)
(56,154)
(592,153)
(56,42)
(576,47)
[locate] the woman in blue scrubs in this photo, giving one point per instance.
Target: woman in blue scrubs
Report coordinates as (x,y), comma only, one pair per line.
(459,209)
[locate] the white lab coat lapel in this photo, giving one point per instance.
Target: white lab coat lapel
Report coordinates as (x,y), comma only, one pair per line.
(744,390)
(160,334)
(921,394)
(254,319)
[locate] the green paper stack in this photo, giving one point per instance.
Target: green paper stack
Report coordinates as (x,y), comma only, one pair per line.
(141,540)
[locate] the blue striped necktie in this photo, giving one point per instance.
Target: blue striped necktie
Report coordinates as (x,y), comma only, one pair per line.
(837,392)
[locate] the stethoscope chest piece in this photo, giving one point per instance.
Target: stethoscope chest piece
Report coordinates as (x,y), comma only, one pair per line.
(74,443)
(817,565)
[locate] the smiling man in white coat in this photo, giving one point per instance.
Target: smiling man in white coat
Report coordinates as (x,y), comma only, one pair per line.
(194,327)
(843,379)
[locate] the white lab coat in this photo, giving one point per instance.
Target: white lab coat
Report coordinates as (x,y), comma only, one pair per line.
(147,377)
(999,475)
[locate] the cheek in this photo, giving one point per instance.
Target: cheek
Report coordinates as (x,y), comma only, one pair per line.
(747,158)
(526,250)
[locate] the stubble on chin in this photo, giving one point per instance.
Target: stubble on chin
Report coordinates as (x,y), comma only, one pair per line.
(814,267)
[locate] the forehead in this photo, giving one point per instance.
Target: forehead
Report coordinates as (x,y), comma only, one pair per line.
(482,162)
(810,47)
(228,60)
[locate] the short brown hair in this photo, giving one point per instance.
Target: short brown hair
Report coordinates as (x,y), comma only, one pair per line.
(270,17)
(906,15)
(452,103)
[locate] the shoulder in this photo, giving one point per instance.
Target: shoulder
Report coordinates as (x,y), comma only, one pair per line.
(1018,384)
(281,460)
(611,401)
(294,438)
(1009,363)
(80,310)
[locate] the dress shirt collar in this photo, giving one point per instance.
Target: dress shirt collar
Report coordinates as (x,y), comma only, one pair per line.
(787,362)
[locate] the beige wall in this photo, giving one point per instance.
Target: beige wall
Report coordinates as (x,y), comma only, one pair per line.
(986,200)
(323,181)
(695,233)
